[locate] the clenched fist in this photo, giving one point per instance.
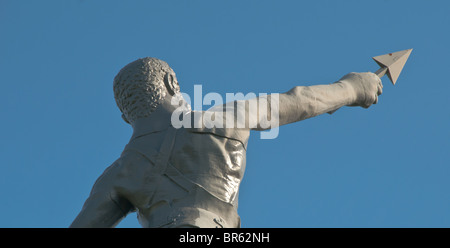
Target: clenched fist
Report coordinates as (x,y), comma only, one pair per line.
(367,87)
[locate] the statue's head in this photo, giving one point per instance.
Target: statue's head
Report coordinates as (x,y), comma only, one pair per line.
(142,85)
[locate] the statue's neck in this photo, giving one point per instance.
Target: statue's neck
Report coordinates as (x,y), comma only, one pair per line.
(160,119)
(157,121)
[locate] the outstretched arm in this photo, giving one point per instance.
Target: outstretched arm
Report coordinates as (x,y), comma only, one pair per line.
(300,103)
(303,102)
(354,89)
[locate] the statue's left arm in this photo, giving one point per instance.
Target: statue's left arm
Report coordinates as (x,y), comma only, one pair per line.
(104,207)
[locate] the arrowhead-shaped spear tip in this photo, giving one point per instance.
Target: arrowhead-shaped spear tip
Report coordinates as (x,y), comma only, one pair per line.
(394,63)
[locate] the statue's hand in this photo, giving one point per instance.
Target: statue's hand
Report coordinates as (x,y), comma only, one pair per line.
(367,87)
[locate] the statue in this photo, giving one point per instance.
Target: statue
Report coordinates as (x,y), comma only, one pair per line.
(189,176)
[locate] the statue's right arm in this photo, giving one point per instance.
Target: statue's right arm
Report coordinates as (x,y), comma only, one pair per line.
(354,89)
(104,207)
(303,102)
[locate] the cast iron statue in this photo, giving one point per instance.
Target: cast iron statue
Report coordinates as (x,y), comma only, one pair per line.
(189,176)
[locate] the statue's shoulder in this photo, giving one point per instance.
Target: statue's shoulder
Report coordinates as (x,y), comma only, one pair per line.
(130,168)
(237,134)
(131,160)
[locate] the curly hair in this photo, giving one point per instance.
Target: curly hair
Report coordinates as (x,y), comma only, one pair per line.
(139,87)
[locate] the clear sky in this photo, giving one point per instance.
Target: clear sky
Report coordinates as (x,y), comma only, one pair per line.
(386,166)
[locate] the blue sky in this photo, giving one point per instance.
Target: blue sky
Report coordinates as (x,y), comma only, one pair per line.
(387,166)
